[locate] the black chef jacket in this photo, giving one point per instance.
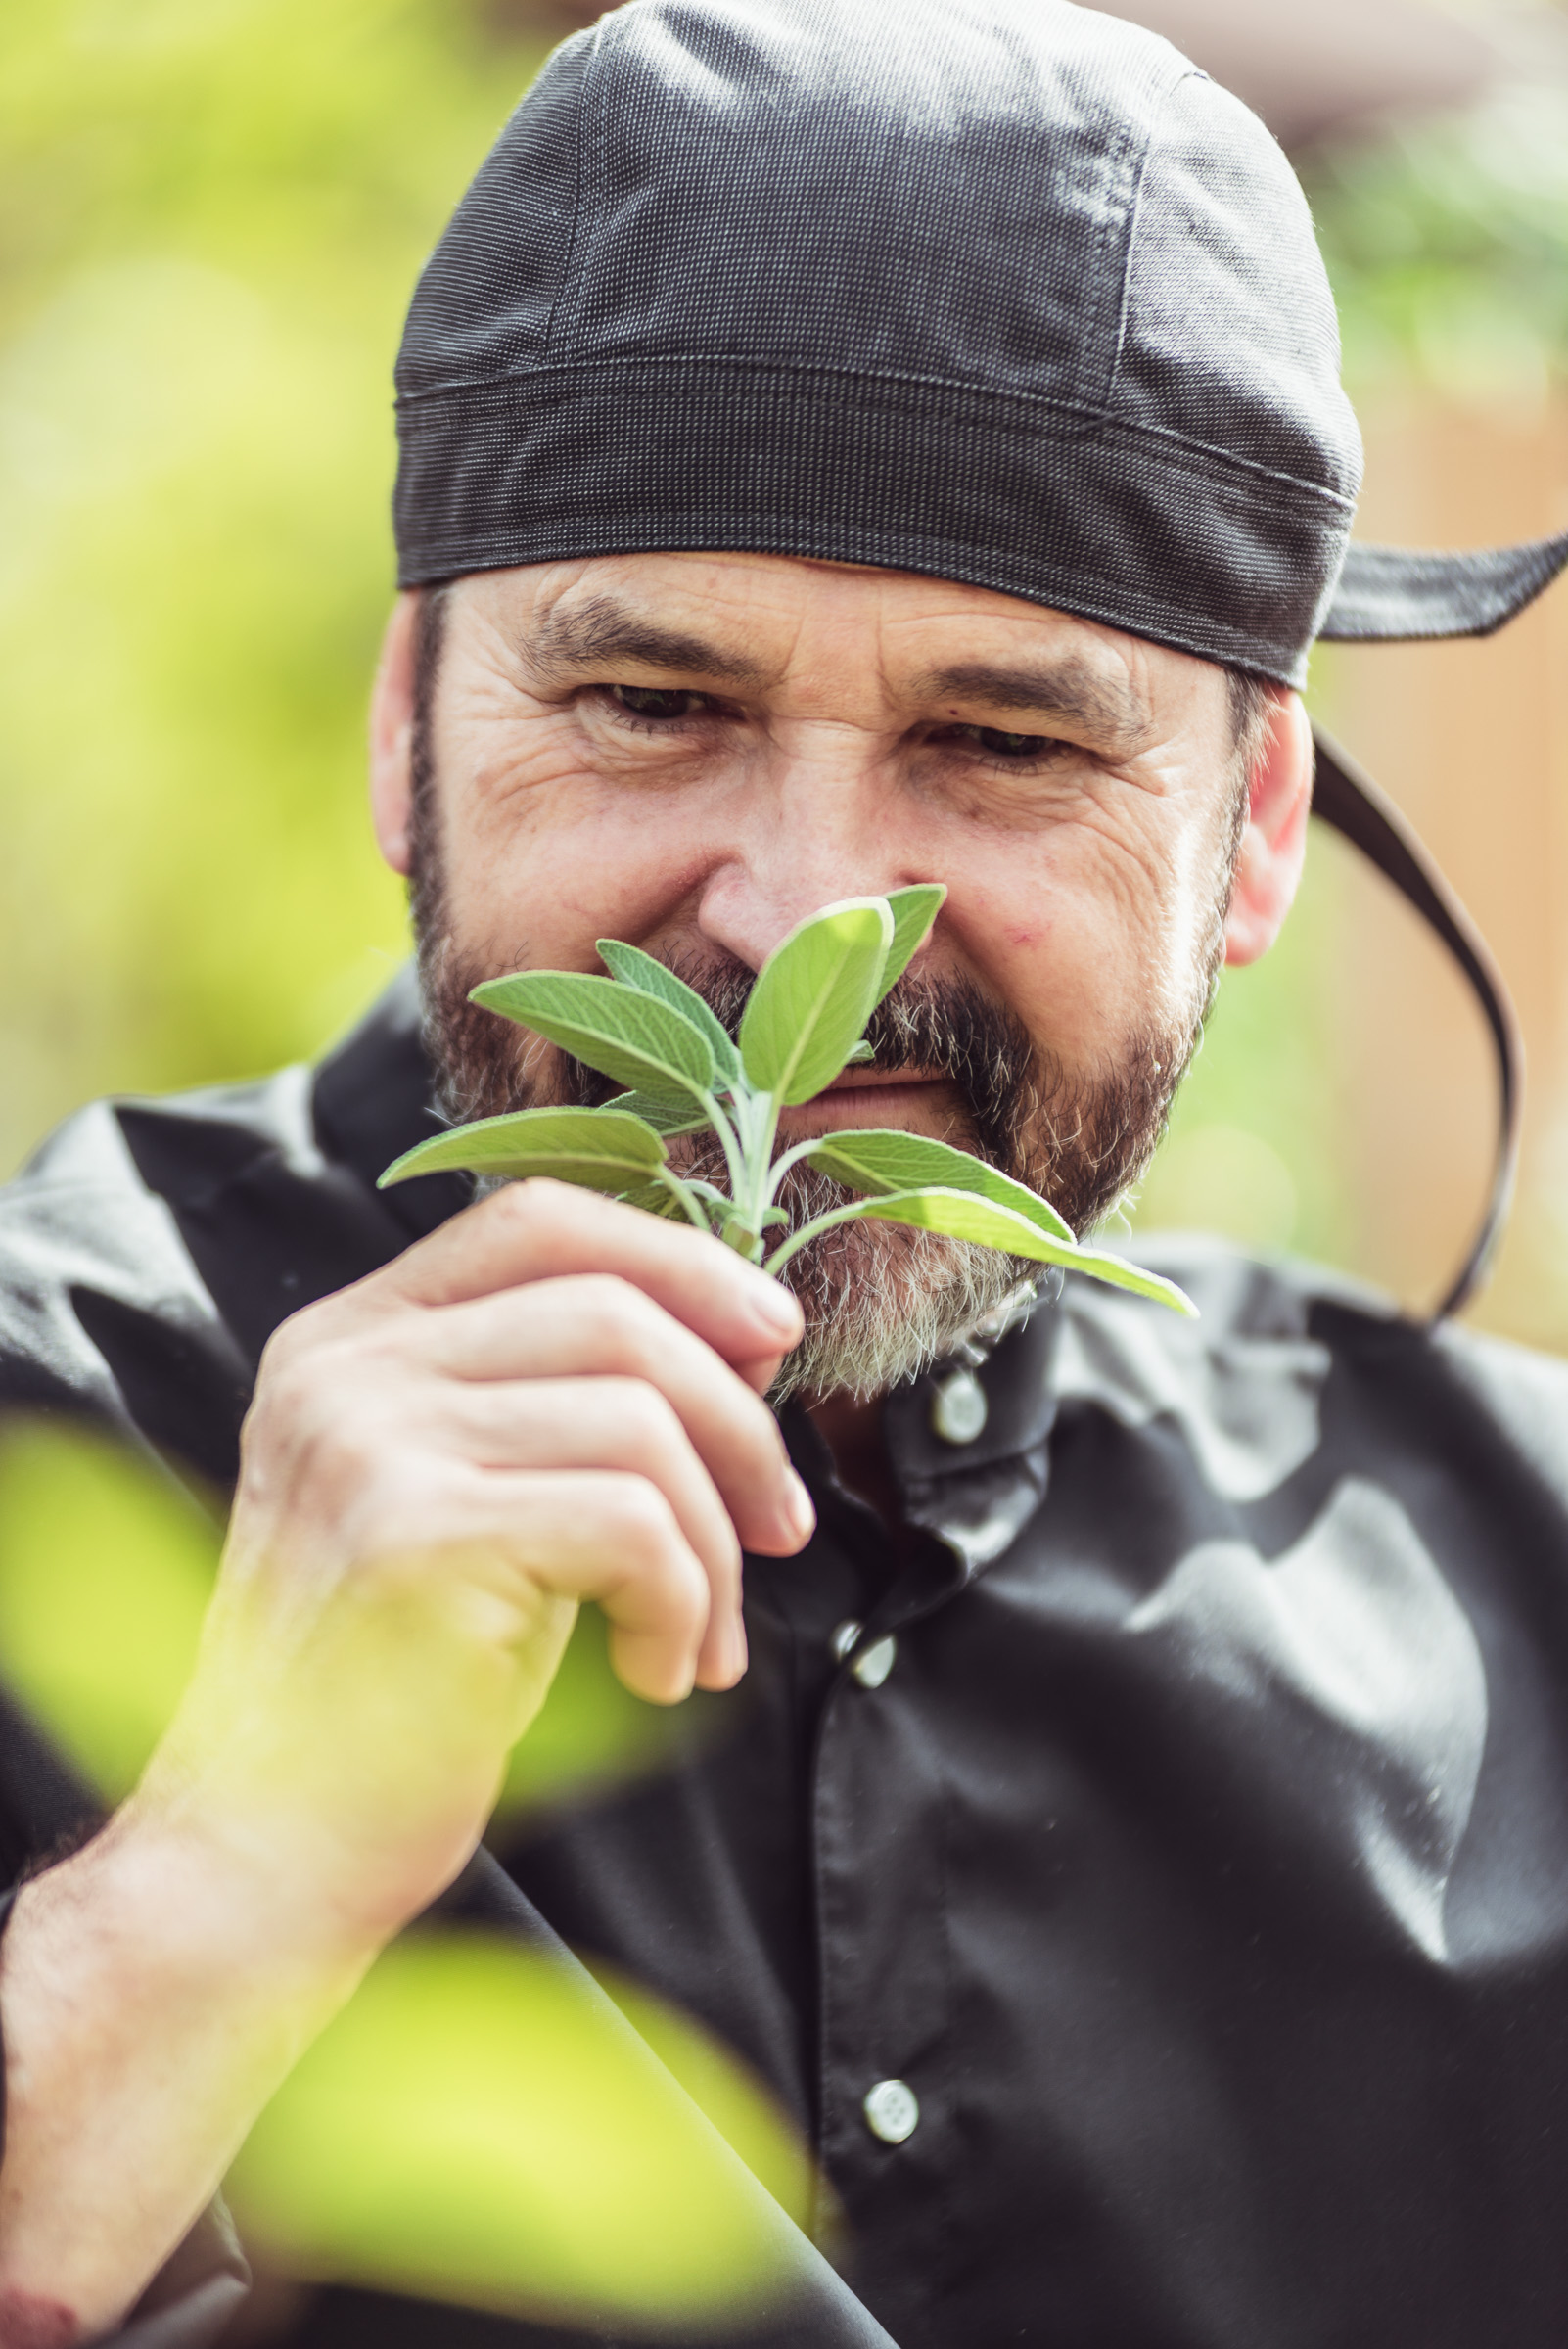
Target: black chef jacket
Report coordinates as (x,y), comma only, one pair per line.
(1200,1862)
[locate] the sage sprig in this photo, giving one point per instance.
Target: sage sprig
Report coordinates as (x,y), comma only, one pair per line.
(804,1022)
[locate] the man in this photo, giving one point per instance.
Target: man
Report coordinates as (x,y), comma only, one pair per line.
(843,447)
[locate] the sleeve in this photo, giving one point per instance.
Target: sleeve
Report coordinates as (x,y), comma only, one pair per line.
(191,2299)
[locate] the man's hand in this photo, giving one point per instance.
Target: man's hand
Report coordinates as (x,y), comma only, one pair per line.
(554,1398)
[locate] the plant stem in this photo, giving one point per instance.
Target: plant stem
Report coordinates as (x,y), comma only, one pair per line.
(765,1109)
(783,1162)
(733,1146)
(687,1198)
(809,1231)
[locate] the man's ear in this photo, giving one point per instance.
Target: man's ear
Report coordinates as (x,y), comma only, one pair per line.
(1274,842)
(391,736)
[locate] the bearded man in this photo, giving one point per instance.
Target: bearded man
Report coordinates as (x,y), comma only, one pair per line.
(842,446)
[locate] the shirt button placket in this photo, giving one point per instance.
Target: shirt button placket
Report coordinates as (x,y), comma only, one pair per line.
(883,1954)
(873,1664)
(958,1407)
(891,2111)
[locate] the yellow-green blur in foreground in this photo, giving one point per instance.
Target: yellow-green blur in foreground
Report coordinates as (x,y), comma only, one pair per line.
(478,2125)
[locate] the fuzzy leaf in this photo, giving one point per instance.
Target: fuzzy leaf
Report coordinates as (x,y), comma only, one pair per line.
(654,1200)
(913,911)
(641,1042)
(813,996)
(859,1058)
(665,1117)
(574,1145)
(880,1160)
(633,968)
(965,1215)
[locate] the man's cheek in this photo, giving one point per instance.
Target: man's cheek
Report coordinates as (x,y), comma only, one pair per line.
(1074,983)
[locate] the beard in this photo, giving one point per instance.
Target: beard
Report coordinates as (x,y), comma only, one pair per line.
(881,1301)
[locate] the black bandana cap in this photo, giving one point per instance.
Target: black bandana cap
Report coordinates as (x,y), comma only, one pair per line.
(999,290)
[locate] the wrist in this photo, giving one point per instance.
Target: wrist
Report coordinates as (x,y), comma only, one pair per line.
(155,1995)
(190,1906)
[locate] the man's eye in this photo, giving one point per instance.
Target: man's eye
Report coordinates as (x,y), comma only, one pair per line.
(659,701)
(998,744)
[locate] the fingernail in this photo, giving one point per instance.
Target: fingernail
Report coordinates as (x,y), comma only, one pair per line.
(777,1310)
(798,1510)
(735,1655)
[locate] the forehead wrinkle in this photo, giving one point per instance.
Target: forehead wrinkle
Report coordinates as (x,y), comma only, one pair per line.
(602,631)
(1106,707)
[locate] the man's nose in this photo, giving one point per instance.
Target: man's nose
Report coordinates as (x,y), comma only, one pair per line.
(824,825)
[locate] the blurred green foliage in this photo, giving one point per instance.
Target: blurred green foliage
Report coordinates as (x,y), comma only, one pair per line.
(478,2125)
(106,1568)
(211,212)
(1447,245)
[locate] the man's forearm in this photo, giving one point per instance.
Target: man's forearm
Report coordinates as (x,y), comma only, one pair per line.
(137,2057)
(552,1399)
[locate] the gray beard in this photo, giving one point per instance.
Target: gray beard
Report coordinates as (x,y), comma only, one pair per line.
(881,1301)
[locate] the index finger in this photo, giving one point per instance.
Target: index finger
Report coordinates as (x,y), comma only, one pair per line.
(540,1230)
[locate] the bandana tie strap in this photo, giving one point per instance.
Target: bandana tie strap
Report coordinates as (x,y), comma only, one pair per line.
(1349,803)
(1395,595)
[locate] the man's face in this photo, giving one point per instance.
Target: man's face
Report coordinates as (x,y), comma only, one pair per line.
(693,752)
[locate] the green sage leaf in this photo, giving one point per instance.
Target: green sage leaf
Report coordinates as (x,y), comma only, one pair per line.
(913,911)
(965,1215)
(633,968)
(879,1158)
(576,1145)
(813,996)
(634,1039)
(654,1200)
(665,1117)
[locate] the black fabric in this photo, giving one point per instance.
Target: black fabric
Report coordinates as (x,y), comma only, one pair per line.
(198,2294)
(1392,594)
(1202,1862)
(1002,291)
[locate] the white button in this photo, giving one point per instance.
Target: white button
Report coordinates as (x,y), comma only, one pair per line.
(843,1638)
(874,1663)
(958,1407)
(891,2111)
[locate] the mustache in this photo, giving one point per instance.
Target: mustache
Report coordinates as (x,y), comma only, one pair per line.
(1079,1138)
(944,1028)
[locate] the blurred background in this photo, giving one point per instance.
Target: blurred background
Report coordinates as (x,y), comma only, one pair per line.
(211,212)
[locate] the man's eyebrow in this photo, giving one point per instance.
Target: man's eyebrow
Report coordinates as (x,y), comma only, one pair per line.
(601,634)
(1062,689)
